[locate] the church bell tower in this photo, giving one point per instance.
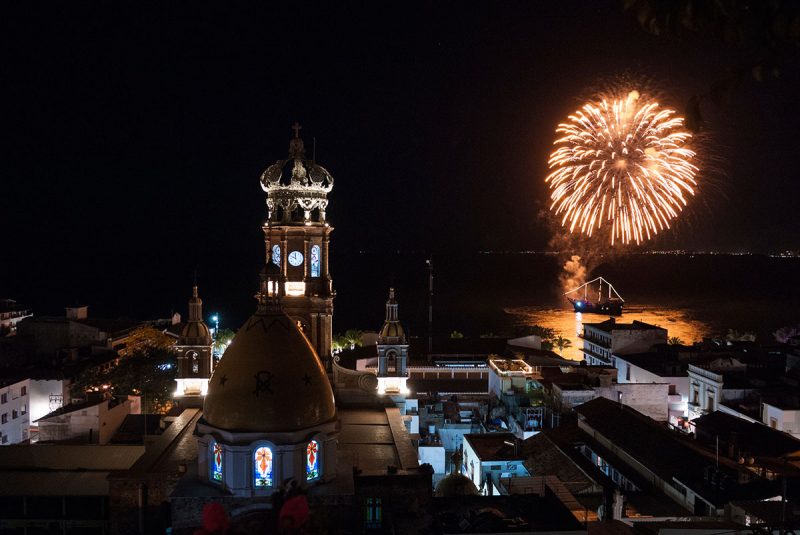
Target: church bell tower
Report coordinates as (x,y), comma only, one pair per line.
(195,360)
(392,352)
(297,239)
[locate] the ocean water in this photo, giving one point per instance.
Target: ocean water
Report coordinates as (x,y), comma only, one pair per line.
(693,296)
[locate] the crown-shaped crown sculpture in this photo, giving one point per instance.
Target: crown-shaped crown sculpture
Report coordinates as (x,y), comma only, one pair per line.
(303,193)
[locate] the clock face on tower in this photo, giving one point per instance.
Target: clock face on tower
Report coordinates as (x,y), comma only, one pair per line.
(295,258)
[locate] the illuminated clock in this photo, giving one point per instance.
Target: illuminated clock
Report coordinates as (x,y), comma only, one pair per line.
(295,258)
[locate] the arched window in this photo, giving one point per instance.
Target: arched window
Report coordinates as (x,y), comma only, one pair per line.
(195,362)
(216,460)
(262,461)
(391,362)
(312,460)
(276,255)
(315,260)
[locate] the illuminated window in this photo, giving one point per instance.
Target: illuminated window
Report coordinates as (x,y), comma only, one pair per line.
(216,461)
(315,260)
(312,460)
(276,255)
(373,513)
(262,461)
(195,362)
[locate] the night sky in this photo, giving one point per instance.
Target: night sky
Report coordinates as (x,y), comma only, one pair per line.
(134,137)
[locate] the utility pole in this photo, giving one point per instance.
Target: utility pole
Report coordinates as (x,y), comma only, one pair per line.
(430,306)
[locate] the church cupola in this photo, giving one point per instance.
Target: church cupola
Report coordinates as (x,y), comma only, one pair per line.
(270,414)
(297,240)
(392,352)
(195,357)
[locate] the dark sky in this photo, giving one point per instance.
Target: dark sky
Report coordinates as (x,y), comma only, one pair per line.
(133,137)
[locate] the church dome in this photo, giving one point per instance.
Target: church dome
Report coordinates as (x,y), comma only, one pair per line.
(196,333)
(269,380)
(392,330)
(455,485)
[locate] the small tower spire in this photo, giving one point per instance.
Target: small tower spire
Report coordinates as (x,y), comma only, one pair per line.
(195,306)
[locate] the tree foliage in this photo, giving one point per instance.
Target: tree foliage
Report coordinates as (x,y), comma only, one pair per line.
(674,341)
(222,339)
(147,367)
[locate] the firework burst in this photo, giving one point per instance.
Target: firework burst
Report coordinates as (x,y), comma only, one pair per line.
(623,162)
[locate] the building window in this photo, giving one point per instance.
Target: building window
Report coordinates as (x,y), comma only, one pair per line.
(262,460)
(773,423)
(14,414)
(315,260)
(312,460)
(276,255)
(216,461)
(374,513)
(391,362)
(195,362)
(4,418)
(627,372)
(4,440)
(24,391)
(23,409)
(4,398)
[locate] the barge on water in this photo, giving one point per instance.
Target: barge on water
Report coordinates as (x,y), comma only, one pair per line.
(584,301)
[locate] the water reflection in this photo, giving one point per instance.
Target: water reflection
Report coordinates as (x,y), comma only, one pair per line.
(678,322)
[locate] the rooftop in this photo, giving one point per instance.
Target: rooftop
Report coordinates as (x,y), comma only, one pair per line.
(665,453)
(611,325)
(495,446)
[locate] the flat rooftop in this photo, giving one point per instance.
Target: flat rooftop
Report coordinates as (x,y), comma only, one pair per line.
(495,446)
(611,325)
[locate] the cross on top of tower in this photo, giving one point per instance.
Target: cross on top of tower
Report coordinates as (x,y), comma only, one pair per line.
(296,127)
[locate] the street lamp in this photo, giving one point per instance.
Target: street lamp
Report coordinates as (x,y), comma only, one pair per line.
(215,319)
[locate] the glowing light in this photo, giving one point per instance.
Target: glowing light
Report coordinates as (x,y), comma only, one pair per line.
(624,162)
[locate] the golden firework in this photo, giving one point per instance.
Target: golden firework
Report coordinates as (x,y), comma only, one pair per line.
(622,161)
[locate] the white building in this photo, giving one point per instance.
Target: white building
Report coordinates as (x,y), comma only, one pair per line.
(707,388)
(488,457)
(602,341)
(782,417)
(14,412)
(654,367)
(11,313)
(508,376)
(94,422)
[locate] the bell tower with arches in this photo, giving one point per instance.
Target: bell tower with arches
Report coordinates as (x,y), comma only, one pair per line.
(297,240)
(392,352)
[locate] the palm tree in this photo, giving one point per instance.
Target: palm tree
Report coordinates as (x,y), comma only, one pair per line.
(675,341)
(353,337)
(561,343)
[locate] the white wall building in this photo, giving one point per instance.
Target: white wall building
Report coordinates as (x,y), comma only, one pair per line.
(94,421)
(14,412)
(11,313)
(647,368)
(706,385)
(782,418)
(602,341)
(490,456)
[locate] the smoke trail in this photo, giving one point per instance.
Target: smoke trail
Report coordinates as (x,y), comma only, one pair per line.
(573,274)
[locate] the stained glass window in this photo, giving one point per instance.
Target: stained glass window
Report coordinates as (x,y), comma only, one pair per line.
(312,460)
(276,255)
(216,461)
(262,460)
(315,260)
